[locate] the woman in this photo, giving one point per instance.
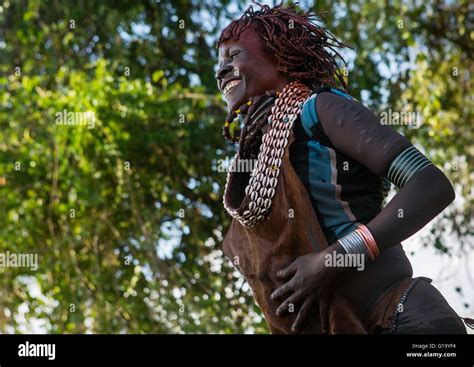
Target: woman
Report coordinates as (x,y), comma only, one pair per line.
(344,157)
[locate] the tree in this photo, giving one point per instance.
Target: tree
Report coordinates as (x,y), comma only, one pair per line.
(125,211)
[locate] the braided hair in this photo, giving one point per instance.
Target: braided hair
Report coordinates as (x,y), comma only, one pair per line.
(304,50)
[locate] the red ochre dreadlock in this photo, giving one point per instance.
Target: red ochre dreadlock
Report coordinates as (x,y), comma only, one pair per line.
(304,50)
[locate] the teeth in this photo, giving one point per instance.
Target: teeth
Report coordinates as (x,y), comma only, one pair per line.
(230,85)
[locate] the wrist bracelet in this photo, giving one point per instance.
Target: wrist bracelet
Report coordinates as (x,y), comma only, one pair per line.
(369,240)
(360,241)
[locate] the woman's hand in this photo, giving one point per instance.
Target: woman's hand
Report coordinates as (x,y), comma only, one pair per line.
(311,281)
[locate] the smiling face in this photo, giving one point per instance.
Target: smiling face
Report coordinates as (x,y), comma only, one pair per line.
(246,70)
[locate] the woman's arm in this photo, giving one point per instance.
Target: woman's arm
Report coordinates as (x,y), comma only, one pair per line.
(356,131)
(423,197)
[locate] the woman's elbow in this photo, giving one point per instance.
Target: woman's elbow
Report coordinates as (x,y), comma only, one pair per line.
(444,189)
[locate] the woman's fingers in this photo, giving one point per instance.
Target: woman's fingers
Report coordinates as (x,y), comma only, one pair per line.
(285,288)
(288,271)
(288,286)
(285,306)
(302,314)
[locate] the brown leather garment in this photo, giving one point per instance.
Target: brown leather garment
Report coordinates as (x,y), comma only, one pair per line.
(291,230)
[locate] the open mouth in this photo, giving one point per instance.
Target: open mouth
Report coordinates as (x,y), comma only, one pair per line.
(230,85)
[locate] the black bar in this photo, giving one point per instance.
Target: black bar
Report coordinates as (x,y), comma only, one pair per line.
(243,350)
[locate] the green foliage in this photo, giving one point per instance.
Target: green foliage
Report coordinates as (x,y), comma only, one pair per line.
(126,216)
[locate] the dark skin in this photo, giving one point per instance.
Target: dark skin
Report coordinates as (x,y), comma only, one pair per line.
(245,61)
(356,132)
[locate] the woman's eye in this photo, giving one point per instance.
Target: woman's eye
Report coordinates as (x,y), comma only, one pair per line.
(233,54)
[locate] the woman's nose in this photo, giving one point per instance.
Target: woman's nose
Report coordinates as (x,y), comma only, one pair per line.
(223,71)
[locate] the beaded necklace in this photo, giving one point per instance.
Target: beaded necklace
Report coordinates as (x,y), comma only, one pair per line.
(263,182)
